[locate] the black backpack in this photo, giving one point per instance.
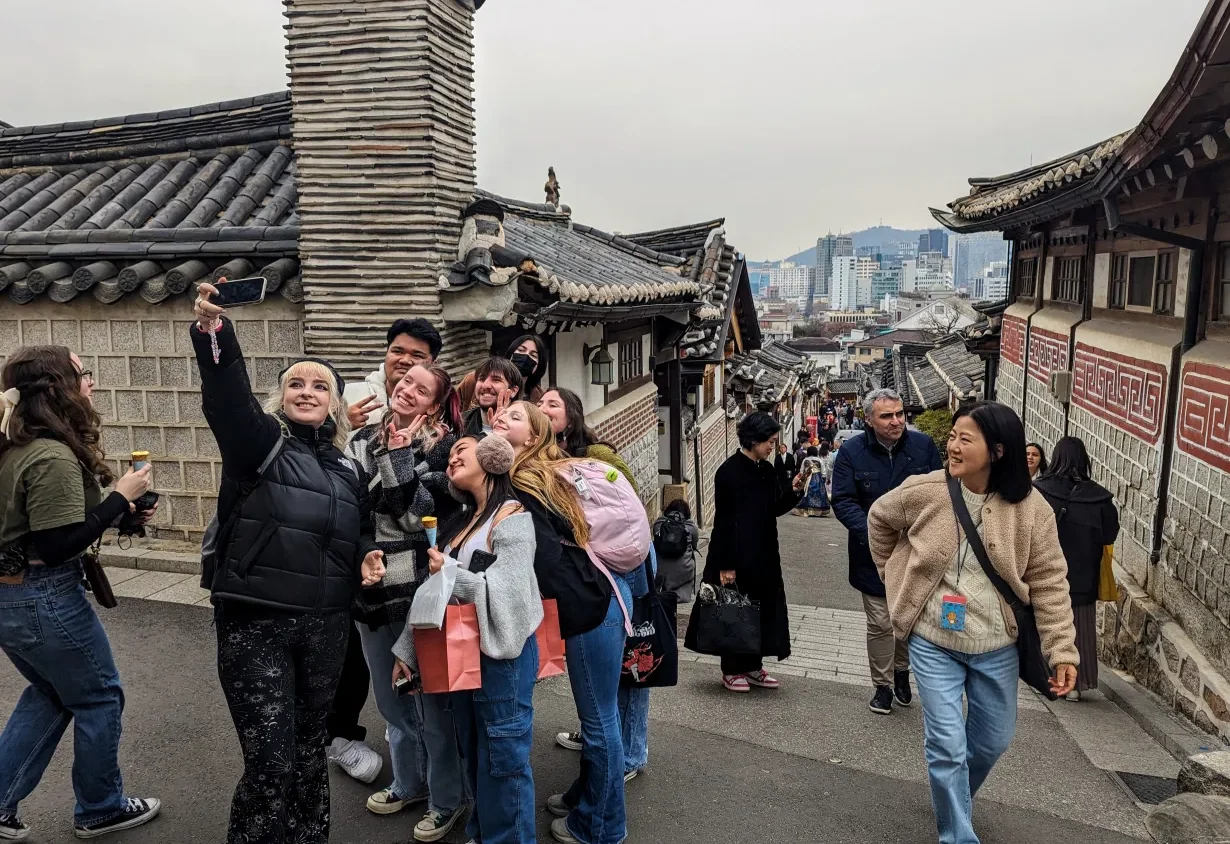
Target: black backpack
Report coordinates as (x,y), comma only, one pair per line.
(670,536)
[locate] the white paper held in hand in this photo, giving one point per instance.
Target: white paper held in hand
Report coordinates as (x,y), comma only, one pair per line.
(433,596)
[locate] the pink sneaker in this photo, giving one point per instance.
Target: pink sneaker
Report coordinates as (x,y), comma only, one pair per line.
(762,679)
(735,683)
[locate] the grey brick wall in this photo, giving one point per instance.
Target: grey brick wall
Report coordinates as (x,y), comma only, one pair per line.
(146,388)
(1010,384)
(1197,547)
(1044,416)
(1131,469)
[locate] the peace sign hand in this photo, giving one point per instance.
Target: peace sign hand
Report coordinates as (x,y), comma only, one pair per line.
(501,404)
(403,437)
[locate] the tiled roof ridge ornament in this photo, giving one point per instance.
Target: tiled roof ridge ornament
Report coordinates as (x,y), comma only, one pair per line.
(482,257)
(552,187)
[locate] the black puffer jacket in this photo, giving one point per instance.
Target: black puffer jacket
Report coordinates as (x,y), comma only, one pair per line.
(1087,519)
(304,527)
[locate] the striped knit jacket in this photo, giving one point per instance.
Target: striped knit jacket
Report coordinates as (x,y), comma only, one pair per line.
(403,488)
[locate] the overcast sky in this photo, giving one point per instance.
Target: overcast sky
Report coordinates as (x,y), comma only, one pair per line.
(788,117)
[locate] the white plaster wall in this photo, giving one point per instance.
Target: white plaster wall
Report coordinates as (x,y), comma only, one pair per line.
(571,370)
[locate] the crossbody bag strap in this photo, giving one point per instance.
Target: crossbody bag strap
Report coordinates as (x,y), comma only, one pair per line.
(975,544)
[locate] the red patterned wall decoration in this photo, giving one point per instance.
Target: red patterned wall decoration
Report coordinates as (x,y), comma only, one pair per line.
(1127,392)
(1204,414)
(1048,352)
(1012,340)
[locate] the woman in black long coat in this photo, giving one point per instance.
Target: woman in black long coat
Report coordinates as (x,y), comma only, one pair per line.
(748,498)
(1088,520)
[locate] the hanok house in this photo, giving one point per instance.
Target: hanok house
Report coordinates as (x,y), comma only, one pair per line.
(777,380)
(1118,332)
(347,194)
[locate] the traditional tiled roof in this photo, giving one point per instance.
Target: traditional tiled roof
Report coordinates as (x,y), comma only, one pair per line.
(891,338)
(990,198)
(722,274)
(815,344)
(149,203)
(959,368)
(770,373)
(843,387)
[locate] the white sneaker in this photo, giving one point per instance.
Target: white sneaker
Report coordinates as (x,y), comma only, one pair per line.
(355,758)
(570,741)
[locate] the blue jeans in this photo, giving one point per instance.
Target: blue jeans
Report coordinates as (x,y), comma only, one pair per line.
(495,724)
(962,750)
(51,634)
(634,703)
(422,737)
(595,660)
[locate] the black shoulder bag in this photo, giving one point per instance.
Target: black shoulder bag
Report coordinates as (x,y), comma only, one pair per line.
(1034,669)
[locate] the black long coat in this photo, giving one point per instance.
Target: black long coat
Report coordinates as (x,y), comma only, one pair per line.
(1087,519)
(747,501)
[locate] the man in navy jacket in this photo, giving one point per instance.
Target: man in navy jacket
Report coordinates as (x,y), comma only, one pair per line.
(867,467)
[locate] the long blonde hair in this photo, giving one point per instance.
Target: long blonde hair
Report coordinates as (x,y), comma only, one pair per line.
(337,408)
(536,471)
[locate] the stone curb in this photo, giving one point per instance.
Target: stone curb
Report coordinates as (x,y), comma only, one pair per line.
(1178,738)
(151,560)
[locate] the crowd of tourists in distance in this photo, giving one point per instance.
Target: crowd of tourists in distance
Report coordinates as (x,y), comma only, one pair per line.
(329,495)
(338,502)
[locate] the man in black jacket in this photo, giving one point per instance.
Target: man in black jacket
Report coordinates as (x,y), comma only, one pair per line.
(498,383)
(868,466)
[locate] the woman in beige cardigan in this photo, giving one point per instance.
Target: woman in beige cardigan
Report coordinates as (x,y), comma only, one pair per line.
(961,633)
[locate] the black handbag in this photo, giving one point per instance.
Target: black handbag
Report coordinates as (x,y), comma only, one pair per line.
(724,629)
(651,653)
(1034,669)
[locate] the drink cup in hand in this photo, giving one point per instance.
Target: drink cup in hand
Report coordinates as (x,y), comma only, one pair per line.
(135,483)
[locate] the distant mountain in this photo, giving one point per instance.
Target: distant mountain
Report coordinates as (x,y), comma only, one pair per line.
(874,236)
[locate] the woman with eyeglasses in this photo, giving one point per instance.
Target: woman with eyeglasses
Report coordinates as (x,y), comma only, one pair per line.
(52,510)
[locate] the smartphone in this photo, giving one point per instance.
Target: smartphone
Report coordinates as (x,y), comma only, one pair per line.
(241,291)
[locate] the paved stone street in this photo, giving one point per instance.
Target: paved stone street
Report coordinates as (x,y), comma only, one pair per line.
(809,763)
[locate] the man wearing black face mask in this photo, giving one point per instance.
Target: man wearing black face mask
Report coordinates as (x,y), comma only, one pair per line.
(529,354)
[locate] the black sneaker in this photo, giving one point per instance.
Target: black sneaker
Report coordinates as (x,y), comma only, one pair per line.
(137,810)
(882,703)
(901,688)
(12,829)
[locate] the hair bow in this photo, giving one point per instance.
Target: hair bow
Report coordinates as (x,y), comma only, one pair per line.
(8,401)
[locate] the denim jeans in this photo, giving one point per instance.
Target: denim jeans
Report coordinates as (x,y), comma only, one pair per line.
(961,750)
(595,660)
(53,637)
(634,703)
(495,724)
(422,736)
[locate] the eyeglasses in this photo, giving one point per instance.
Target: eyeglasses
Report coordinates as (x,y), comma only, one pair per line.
(86,375)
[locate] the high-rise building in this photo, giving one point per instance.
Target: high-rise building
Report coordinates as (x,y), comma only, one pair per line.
(843,291)
(886,281)
(933,240)
(925,275)
(865,271)
(993,285)
(827,248)
(759,278)
(792,282)
(972,254)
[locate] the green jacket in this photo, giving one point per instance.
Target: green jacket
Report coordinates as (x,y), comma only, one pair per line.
(603,452)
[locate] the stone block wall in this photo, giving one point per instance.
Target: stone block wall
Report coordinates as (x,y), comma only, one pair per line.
(1046,417)
(714,449)
(630,425)
(1010,384)
(146,387)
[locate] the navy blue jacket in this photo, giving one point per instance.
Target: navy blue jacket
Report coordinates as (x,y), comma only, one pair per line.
(865,470)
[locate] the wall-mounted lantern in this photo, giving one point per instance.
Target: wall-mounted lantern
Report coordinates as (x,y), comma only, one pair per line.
(602,365)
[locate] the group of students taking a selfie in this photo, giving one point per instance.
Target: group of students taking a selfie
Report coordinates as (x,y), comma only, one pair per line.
(325,529)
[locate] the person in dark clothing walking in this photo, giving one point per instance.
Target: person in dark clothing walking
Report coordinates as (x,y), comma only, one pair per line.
(784,465)
(1088,520)
(743,550)
(867,467)
(294,544)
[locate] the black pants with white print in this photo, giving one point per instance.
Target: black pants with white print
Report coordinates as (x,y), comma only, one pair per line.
(279,673)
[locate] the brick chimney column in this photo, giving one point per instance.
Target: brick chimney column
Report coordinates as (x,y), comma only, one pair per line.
(383,126)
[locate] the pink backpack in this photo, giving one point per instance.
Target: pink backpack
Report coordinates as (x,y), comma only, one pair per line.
(619,534)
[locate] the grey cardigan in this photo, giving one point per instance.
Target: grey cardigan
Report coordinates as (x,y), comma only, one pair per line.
(505,596)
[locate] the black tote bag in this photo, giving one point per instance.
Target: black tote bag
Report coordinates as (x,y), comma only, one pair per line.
(651,653)
(1034,669)
(724,629)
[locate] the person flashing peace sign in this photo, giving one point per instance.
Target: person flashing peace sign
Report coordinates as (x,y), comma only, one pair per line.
(406,453)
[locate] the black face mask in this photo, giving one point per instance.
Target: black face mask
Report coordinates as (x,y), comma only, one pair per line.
(524,363)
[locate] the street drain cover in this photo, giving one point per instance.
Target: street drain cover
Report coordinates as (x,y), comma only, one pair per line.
(1151,790)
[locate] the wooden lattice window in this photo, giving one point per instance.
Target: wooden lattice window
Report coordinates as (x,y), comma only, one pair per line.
(710,392)
(1163,290)
(1118,281)
(1026,276)
(1066,286)
(1140,281)
(631,361)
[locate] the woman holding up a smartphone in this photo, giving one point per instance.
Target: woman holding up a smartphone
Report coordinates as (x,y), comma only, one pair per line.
(294,544)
